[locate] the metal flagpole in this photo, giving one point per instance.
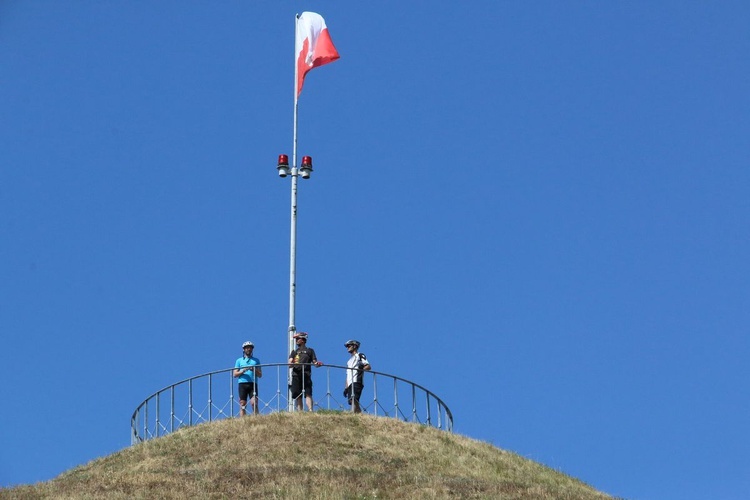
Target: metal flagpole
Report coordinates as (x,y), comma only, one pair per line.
(293,232)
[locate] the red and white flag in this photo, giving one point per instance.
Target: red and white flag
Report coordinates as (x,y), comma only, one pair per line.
(313,45)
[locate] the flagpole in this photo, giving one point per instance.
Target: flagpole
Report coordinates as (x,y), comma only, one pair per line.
(320,50)
(293,231)
(293,239)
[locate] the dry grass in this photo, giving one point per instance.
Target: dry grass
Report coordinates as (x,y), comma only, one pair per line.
(317,455)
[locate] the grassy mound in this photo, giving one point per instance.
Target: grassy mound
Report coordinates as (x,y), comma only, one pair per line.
(318,455)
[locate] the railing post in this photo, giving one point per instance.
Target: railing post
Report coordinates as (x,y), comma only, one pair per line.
(278,388)
(171,410)
(328,387)
(210,401)
(190,400)
(231,394)
(429,414)
(158,409)
(395,397)
(414,403)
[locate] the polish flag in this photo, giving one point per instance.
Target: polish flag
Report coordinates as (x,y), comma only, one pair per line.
(313,45)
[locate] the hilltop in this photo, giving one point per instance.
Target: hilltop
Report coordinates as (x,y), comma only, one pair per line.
(318,455)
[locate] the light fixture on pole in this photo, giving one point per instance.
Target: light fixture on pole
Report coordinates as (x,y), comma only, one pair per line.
(283,165)
(306,168)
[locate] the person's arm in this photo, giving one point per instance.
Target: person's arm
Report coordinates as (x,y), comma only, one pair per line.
(239,371)
(258,371)
(365,364)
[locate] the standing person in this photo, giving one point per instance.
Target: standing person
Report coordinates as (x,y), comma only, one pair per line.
(247,372)
(301,359)
(357,365)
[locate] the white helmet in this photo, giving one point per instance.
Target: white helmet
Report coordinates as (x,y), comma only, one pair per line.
(248,344)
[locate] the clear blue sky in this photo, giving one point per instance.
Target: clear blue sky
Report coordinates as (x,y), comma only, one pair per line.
(538,211)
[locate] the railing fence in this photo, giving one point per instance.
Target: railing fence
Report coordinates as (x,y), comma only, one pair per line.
(213,396)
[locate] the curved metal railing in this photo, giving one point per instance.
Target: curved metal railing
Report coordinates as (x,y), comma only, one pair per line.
(214,396)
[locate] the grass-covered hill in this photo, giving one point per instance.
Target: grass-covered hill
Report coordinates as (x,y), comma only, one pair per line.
(310,455)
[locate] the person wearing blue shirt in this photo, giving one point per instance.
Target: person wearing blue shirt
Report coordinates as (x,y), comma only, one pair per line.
(246,371)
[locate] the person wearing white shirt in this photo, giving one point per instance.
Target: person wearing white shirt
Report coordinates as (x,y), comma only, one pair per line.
(356,365)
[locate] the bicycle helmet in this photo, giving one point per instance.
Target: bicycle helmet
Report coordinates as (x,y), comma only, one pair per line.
(248,344)
(355,343)
(301,335)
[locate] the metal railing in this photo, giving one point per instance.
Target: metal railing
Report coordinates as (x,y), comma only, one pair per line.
(214,396)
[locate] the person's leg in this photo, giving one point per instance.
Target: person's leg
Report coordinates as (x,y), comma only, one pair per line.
(308,393)
(254,399)
(243,398)
(357,392)
(297,392)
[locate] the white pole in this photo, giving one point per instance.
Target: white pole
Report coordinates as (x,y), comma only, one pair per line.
(293,239)
(293,236)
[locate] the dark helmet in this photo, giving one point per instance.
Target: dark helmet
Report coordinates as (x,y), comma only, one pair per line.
(355,343)
(301,335)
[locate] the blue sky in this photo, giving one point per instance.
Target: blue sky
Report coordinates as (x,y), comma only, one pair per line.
(538,211)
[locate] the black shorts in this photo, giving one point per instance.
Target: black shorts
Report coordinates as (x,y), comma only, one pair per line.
(298,385)
(354,390)
(247,389)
